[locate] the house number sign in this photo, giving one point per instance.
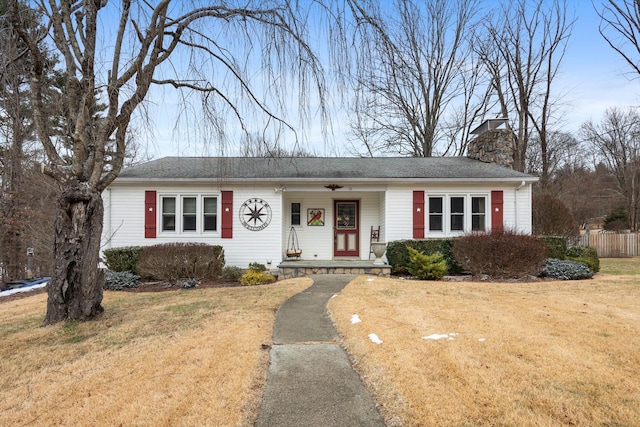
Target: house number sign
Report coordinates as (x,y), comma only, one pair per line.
(255,214)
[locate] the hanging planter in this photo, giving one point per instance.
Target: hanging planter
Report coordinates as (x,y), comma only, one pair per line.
(293,248)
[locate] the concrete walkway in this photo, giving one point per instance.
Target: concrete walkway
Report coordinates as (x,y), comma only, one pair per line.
(311,381)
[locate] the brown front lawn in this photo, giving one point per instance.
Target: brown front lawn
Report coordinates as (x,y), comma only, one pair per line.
(183,357)
(542,353)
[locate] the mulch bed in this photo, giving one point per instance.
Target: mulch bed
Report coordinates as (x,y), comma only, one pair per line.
(163,286)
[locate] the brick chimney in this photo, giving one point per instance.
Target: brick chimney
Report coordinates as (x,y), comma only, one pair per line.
(492,144)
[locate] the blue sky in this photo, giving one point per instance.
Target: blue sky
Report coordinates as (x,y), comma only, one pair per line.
(593,76)
(592,79)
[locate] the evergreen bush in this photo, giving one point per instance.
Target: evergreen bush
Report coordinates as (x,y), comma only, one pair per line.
(189,283)
(398,254)
(585,254)
(231,272)
(256,266)
(119,280)
(556,246)
(122,259)
(565,270)
(426,267)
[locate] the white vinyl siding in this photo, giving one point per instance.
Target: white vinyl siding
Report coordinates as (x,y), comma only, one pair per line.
(126,227)
(389,205)
(399,208)
(316,242)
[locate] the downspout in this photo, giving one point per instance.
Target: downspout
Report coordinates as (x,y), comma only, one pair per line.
(515,201)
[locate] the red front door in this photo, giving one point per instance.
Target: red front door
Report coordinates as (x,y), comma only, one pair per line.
(346,225)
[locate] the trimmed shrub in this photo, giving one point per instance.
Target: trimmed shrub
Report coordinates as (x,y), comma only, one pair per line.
(253,277)
(398,255)
(556,246)
(231,272)
(500,254)
(256,266)
(552,217)
(585,254)
(119,280)
(173,261)
(122,259)
(426,267)
(565,270)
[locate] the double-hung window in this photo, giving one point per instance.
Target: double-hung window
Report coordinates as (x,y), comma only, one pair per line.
(456,213)
(210,214)
(436,214)
(188,214)
(168,214)
(478,213)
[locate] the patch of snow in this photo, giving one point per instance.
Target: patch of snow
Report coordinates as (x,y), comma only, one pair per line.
(370,280)
(435,337)
(374,338)
(25,289)
(355,319)
(449,336)
(481,339)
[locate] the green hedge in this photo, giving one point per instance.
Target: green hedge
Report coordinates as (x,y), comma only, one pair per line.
(586,255)
(399,260)
(556,246)
(122,259)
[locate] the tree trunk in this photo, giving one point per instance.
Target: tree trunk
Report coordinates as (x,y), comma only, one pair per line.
(75,290)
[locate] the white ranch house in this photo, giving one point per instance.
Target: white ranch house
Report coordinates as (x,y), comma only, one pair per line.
(249,205)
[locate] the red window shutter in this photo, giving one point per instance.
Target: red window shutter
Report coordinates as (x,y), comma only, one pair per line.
(418,214)
(227,214)
(150,215)
(497,202)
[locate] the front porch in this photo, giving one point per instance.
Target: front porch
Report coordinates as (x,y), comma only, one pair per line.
(299,268)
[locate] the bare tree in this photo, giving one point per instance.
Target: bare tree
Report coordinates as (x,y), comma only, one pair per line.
(257,146)
(616,140)
(16,130)
(620,27)
(412,63)
(564,152)
(523,52)
(141,43)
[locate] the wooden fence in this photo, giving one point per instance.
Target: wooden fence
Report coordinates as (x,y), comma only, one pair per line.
(613,245)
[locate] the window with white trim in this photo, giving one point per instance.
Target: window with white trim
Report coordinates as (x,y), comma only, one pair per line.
(168,213)
(456,213)
(189,214)
(210,214)
(436,214)
(478,213)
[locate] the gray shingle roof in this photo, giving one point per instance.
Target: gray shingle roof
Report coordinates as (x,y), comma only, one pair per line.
(319,168)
